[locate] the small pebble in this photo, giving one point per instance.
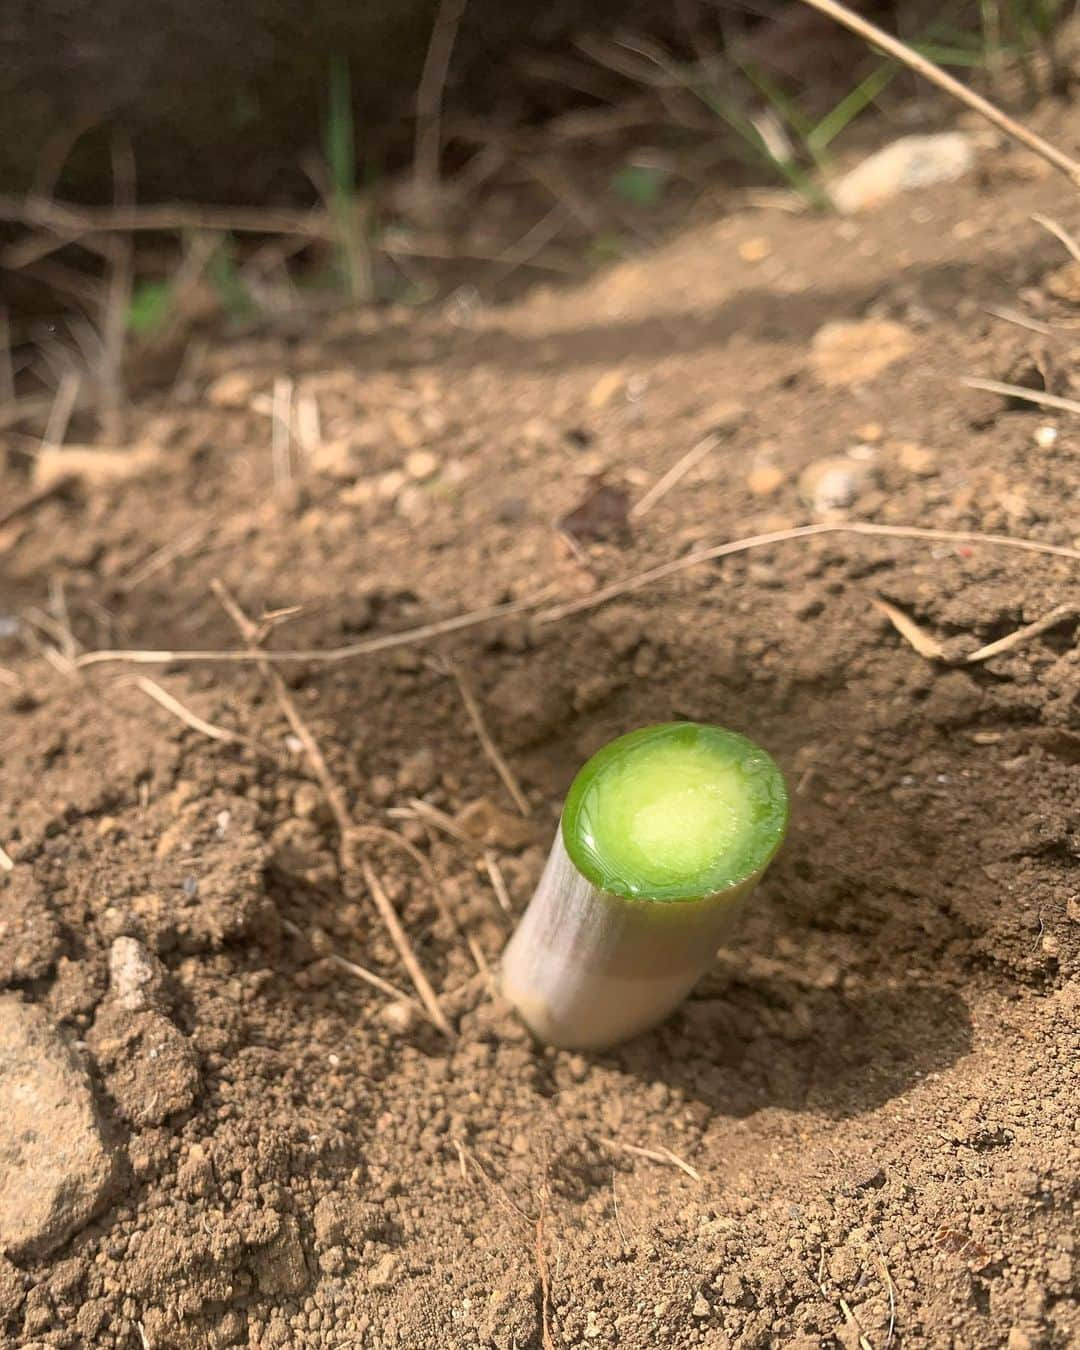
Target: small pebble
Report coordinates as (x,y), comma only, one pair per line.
(765,479)
(605,389)
(833,484)
(917,459)
(399,1017)
(421,465)
(418,773)
(360,493)
(846,352)
(136,976)
(413,504)
(754,250)
(389,484)
(1045,437)
(384,1273)
(306,802)
(232,390)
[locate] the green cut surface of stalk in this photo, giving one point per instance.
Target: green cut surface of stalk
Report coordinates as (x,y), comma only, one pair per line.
(675,812)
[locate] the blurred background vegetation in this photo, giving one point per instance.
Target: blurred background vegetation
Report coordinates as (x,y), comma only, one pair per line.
(300,157)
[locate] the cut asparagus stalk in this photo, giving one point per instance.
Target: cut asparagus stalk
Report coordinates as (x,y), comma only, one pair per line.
(664,834)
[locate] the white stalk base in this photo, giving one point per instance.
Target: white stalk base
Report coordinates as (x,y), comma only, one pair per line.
(586,969)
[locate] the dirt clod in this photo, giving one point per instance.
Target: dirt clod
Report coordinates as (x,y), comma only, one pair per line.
(845,353)
(147,1065)
(56,1170)
(29,936)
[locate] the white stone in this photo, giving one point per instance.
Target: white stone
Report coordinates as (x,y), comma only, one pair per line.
(911,162)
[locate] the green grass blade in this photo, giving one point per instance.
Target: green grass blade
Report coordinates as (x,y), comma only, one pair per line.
(340,145)
(849,107)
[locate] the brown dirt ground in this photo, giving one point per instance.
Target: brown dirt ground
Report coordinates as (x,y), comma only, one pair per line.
(875,1091)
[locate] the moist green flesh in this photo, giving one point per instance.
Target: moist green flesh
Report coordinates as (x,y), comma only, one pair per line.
(675,812)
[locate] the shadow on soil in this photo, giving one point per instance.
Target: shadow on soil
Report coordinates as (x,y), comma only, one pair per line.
(762,1045)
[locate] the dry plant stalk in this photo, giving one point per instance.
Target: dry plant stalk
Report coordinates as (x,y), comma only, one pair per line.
(34,499)
(361,972)
(662,1155)
(674,475)
(923,642)
(1059,614)
(637,581)
(339,808)
(494,754)
(184,714)
(400,939)
(900,51)
(1060,233)
(1039,396)
(429,96)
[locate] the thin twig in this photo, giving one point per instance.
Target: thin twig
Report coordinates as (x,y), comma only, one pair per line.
(1059,232)
(339,807)
(376,981)
(427,150)
(50,214)
(308,423)
(281,431)
(193,720)
(45,650)
(412,636)
(250,632)
(59,608)
(418,809)
(1006,644)
(7,367)
(542,1270)
(924,643)
(523,251)
(675,474)
(853,1321)
(476,717)
(372,645)
(496,1187)
(618,1217)
(498,882)
(34,499)
(23,409)
(361,972)
(186,544)
(890,1288)
(404,949)
(1010,315)
(1039,396)
(694,559)
(399,841)
(900,51)
(657,1155)
(63,406)
(116,302)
